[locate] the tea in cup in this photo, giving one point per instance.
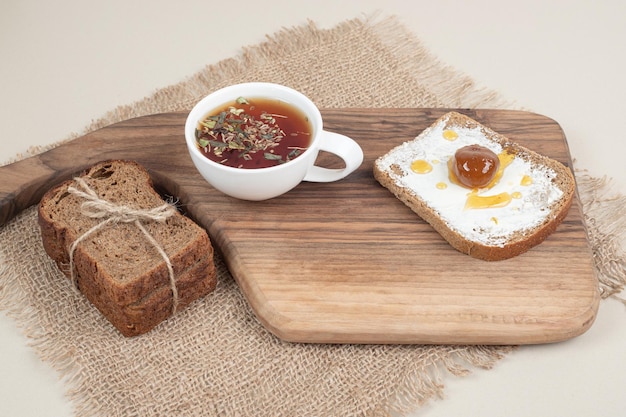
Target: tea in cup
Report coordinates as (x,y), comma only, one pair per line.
(256,141)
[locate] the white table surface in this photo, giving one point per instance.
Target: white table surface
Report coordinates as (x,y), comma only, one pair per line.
(65,63)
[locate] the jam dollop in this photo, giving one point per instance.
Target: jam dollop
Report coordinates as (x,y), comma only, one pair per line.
(475,166)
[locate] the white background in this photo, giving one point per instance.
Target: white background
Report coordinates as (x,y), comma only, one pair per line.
(65,63)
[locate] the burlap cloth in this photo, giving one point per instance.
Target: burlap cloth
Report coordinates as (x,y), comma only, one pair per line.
(214,358)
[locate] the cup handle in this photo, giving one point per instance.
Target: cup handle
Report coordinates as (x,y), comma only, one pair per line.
(342,146)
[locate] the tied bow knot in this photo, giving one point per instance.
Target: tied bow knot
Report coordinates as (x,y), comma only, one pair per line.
(97,208)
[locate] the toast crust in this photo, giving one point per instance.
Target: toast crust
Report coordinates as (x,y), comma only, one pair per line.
(392,175)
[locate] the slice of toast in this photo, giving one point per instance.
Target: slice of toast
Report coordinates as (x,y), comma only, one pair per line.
(117,267)
(537,190)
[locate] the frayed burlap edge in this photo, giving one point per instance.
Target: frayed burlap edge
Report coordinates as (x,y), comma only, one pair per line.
(605,216)
(449,89)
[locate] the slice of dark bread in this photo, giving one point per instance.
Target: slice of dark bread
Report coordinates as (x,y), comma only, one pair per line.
(542,189)
(117,267)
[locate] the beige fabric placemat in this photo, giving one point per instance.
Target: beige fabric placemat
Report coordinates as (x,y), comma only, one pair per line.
(214,358)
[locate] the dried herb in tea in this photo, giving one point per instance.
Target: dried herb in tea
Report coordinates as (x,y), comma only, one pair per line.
(254,133)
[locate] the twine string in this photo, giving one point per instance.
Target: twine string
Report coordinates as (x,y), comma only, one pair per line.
(98,208)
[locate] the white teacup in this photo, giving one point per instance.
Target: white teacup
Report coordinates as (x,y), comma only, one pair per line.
(266,183)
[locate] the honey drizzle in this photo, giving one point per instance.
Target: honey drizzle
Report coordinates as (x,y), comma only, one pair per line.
(526,180)
(420,166)
(450,135)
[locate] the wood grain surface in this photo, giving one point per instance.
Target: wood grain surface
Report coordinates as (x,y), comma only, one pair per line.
(346,262)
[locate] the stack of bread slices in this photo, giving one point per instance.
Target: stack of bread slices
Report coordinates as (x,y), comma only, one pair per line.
(117,267)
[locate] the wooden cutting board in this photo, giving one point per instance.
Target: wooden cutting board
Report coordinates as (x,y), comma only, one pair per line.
(346,262)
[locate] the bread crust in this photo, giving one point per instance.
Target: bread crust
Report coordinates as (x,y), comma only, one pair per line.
(133,289)
(517,243)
